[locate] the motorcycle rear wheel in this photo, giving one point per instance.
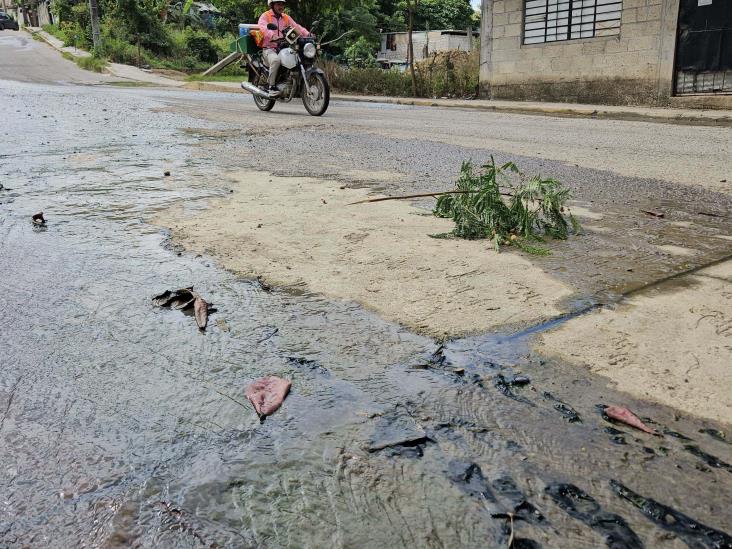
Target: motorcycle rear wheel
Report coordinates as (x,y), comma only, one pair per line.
(317,102)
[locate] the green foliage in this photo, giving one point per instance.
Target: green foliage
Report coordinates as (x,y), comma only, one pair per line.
(200,45)
(61,10)
(234,12)
(139,21)
(487,205)
(452,73)
(89,63)
(448,74)
(371,81)
(444,14)
(92,63)
(360,53)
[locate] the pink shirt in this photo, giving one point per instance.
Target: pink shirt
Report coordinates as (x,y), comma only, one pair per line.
(270,36)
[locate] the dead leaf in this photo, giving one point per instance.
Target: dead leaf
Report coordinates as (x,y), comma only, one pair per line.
(200,308)
(184,299)
(623,415)
(267,394)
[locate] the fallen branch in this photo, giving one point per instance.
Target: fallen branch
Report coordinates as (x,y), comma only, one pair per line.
(659,215)
(423,195)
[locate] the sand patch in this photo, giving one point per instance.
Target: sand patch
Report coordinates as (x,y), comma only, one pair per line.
(677,250)
(586,213)
(298,232)
(672,344)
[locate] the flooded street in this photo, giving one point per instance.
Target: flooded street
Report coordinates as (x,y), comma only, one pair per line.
(123,425)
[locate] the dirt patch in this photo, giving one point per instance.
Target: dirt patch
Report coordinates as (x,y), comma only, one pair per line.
(671,344)
(297,232)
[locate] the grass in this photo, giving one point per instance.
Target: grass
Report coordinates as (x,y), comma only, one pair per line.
(501,204)
(94,64)
(217,78)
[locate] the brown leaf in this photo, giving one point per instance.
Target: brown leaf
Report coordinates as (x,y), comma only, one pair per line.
(623,415)
(200,308)
(267,394)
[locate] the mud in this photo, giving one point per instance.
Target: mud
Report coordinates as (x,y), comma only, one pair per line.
(583,507)
(129,430)
(692,532)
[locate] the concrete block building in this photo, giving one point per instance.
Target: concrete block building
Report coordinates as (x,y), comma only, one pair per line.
(649,52)
(394,45)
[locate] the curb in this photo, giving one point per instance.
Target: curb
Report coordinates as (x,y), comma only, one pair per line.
(568,112)
(42,36)
(669,117)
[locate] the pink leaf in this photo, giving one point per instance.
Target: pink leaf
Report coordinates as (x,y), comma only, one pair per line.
(624,415)
(267,394)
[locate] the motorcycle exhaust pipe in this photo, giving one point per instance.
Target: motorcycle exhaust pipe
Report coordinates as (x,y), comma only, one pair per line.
(254,90)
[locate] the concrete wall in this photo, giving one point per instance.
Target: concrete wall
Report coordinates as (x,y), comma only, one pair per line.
(632,67)
(424,45)
(44,14)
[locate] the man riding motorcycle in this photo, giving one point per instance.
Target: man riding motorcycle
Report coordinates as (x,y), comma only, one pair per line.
(272,24)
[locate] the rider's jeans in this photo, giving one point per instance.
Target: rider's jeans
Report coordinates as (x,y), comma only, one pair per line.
(273,62)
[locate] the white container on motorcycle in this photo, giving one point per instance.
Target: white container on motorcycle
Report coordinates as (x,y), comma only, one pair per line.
(288,58)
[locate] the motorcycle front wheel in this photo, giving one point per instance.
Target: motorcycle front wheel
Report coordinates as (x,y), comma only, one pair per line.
(262,103)
(316,102)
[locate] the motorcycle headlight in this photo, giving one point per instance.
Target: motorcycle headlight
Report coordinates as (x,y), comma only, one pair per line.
(309,50)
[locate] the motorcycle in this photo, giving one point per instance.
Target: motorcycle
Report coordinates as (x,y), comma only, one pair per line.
(298,76)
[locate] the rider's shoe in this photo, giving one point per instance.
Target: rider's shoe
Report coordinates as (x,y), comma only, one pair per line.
(274,91)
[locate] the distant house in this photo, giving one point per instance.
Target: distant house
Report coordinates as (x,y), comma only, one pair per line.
(30,13)
(394,45)
(207,12)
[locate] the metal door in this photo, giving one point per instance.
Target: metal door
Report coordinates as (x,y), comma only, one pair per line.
(704,47)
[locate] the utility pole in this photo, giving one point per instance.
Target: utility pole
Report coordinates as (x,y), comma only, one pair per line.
(486,48)
(96,35)
(412,6)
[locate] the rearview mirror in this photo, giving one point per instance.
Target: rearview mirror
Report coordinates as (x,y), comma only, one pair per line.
(272,27)
(315,25)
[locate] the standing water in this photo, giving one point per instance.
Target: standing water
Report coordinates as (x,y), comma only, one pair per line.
(123,425)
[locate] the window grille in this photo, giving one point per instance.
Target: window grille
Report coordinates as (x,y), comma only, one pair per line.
(554,20)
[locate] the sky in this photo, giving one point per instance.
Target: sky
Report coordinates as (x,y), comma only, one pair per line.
(476,3)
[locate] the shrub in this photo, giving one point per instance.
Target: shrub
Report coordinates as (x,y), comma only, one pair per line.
(487,205)
(371,81)
(451,73)
(360,53)
(72,34)
(92,63)
(444,74)
(200,46)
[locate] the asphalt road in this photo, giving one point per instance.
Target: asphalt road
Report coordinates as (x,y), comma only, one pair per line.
(415,141)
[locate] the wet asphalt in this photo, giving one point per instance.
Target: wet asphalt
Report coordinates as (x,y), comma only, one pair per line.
(122,425)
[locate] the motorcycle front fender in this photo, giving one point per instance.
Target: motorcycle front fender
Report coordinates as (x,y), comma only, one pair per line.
(313,70)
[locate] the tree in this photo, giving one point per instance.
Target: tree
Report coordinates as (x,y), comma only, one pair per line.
(140,23)
(444,14)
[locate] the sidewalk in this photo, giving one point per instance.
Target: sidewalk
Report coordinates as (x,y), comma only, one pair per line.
(710,117)
(55,43)
(126,72)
